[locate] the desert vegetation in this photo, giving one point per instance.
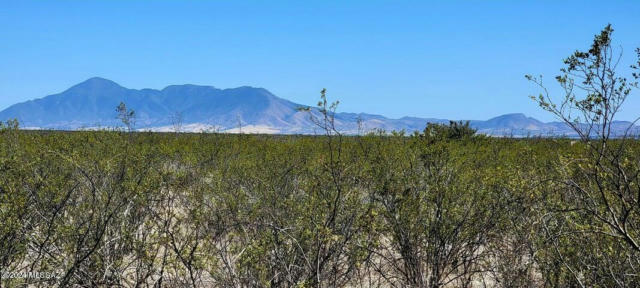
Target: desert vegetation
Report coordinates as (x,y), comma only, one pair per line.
(440,208)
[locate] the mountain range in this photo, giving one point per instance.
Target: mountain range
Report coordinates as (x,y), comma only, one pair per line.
(193,108)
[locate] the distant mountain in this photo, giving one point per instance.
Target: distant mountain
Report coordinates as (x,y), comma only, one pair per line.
(509,123)
(91,104)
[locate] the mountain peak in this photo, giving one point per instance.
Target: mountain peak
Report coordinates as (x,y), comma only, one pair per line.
(91,103)
(512,116)
(185,87)
(99,80)
(96,83)
(511,121)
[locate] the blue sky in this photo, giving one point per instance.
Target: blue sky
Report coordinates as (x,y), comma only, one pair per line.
(445,59)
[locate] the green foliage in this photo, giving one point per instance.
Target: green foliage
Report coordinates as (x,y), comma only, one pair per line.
(442,208)
(104,208)
(127,116)
(9,125)
(593,92)
(453,131)
(594,227)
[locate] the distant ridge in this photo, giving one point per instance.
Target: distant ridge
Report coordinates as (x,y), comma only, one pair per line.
(91,104)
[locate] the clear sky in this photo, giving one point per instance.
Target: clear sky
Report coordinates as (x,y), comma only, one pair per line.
(445,59)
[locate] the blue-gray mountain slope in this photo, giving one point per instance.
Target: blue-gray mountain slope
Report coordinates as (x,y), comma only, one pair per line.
(92,104)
